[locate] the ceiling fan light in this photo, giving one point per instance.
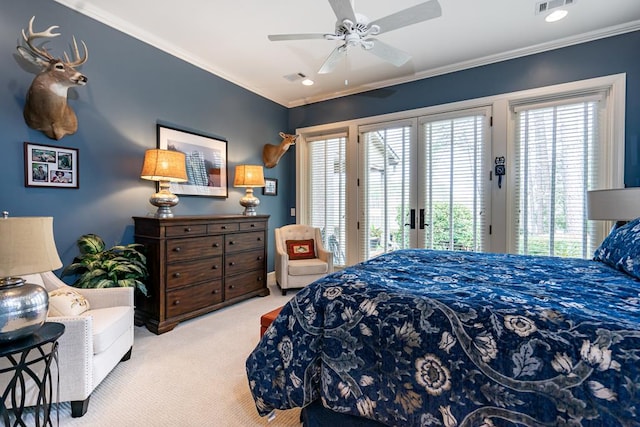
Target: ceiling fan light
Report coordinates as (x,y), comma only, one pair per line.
(556,15)
(307,82)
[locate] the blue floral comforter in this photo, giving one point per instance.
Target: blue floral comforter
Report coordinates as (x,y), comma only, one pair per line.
(435,338)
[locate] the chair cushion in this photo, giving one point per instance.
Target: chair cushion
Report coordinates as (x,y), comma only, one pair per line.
(108,325)
(305,267)
(67,302)
(300,249)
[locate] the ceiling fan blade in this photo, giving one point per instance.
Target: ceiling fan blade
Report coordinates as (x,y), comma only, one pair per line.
(343,10)
(410,16)
(389,53)
(281,37)
(332,61)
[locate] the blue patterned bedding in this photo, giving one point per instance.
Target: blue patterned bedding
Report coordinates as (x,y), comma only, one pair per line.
(435,338)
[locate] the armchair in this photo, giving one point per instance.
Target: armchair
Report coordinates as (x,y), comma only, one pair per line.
(297,273)
(93,343)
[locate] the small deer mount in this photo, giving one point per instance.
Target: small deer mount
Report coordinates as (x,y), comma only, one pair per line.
(271,154)
(46,107)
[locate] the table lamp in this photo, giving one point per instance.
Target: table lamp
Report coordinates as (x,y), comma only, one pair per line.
(164,166)
(26,247)
(249,176)
(620,204)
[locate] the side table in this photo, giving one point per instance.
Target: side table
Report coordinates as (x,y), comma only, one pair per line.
(30,358)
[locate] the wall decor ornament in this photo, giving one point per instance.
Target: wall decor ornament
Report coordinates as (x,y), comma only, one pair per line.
(271,154)
(205,161)
(46,108)
(49,166)
(270,187)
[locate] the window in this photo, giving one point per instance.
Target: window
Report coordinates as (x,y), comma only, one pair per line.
(557,161)
(327,195)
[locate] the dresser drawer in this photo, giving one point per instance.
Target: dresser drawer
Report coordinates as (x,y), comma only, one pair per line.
(192,272)
(243,283)
(244,261)
(222,227)
(198,247)
(258,225)
(185,230)
(192,298)
(244,241)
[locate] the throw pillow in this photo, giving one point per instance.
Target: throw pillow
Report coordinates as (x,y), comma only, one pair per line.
(67,302)
(301,249)
(621,248)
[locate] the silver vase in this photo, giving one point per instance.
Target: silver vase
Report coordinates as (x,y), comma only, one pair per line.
(23,308)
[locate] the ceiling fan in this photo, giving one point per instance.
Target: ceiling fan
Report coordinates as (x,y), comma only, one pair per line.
(354,29)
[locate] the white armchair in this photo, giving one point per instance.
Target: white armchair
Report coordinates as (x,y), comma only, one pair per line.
(300,272)
(93,342)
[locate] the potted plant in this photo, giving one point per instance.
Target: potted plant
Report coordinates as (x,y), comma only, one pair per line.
(97,267)
(375,234)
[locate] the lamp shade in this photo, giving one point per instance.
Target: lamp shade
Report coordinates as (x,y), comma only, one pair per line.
(27,246)
(164,165)
(621,204)
(249,176)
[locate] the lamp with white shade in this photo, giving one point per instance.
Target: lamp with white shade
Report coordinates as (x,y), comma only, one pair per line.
(164,166)
(27,246)
(620,204)
(249,176)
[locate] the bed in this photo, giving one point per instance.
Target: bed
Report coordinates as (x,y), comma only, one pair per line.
(436,338)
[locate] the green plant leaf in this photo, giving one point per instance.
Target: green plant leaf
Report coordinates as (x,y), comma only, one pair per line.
(90,244)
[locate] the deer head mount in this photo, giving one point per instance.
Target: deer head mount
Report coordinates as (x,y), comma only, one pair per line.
(271,154)
(46,107)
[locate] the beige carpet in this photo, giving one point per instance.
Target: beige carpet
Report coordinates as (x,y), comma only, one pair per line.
(191,376)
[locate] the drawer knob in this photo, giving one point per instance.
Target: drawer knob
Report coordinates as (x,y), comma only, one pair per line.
(215,291)
(187,229)
(176,302)
(259,278)
(232,263)
(216,245)
(259,258)
(259,239)
(176,274)
(178,249)
(224,227)
(232,242)
(252,225)
(215,267)
(232,286)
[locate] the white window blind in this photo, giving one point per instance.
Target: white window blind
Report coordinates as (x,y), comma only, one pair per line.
(327,199)
(556,163)
(385,189)
(454,192)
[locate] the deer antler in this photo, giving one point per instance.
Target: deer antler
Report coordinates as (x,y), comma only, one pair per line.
(41,52)
(44,54)
(79,60)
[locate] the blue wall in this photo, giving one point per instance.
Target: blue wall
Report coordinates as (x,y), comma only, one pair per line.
(613,55)
(131,87)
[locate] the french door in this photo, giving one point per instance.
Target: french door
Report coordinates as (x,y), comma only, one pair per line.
(424,183)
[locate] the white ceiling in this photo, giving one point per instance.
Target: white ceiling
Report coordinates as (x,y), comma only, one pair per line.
(229,38)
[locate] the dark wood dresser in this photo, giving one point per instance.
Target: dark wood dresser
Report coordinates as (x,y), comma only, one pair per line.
(198,264)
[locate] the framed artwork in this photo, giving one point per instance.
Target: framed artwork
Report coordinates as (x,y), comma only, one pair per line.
(206,162)
(50,166)
(270,187)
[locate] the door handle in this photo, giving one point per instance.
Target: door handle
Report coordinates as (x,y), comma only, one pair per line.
(421,219)
(412,220)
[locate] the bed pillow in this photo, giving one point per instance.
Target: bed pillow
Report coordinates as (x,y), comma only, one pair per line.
(300,249)
(621,248)
(67,302)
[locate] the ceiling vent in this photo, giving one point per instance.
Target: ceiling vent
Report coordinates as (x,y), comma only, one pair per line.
(545,6)
(294,77)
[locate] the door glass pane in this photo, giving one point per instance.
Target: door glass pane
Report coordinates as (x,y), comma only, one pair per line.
(386,187)
(453,191)
(328,199)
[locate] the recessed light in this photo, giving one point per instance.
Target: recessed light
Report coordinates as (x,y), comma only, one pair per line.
(307,82)
(556,15)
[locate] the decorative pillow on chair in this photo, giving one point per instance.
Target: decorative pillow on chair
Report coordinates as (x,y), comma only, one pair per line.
(621,248)
(67,302)
(301,249)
